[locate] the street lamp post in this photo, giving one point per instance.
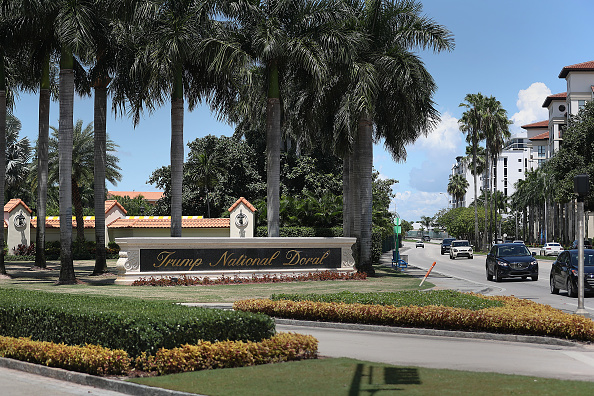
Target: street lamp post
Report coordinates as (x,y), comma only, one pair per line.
(581,184)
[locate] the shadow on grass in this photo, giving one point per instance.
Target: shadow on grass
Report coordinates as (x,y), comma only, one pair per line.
(367,379)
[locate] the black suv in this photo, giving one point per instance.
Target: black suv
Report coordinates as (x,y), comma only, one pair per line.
(445,245)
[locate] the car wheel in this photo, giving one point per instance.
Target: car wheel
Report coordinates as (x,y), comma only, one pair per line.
(442,253)
(554,290)
(451,257)
(496,275)
(489,276)
(470,257)
(571,291)
(534,277)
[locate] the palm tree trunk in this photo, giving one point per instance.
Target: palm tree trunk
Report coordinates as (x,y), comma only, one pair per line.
(273,140)
(42,168)
(100,113)
(177,155)
(476,225)
(78,211)
(65,162)
(487,197)
(2,152)
(365,169)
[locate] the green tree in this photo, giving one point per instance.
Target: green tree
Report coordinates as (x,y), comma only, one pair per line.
(384,92)
(208,174)
(457,187)
(82,154)
(18,155)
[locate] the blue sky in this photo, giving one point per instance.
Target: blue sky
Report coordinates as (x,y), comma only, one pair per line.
(510,49)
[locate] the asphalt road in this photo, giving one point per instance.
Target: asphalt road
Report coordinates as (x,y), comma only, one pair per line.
(473,271)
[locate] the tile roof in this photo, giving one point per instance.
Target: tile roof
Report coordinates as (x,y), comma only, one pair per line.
(539,124)
(550,98)
(152,196)
(54,222)
(585,66)
(13,203)
(542,136)
(111,203)
(165,222)
(245,202)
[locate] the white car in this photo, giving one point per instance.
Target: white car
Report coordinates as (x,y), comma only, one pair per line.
(420,244)
(460,248)
(552,249)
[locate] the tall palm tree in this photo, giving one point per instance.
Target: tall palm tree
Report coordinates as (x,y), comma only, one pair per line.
(471,124)
(496,131)
(18,154)
(385,93)
(457,187)
(208,173)
(287,39)
(169,65)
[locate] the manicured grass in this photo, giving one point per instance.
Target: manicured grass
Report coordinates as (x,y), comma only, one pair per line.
(343,376)
(388,280)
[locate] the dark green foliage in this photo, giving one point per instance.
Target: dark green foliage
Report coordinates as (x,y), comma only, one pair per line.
(446,298)
(122,323)
(81,250)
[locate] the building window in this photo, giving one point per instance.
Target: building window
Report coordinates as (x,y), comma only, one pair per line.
(519,169)
(540,162)
(542,151)
(520,160)
(581,104)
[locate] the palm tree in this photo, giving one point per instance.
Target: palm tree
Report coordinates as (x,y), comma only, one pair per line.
(208,172)
(18,154)
(287,39)
(82,154)
(385,92)
(169,64)
(457,187)
(471,124)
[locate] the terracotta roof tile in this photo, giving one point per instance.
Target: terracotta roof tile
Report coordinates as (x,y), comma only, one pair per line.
(165,222)
(111,203)
(13,203)
(550,98)
(542,136)
(585,66)
(54,222)
(245,202)
(540,124)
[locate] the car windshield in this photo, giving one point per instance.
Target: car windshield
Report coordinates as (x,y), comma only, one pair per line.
(588,259)
(460,243)
(514,251)
(553,244)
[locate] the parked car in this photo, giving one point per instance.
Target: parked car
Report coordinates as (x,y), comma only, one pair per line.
(552,249)
(564,272)
(420,244)
(511,260)
(495,242)
(519,241)
(445,245)
(460,248)
(587,244)
(426,238)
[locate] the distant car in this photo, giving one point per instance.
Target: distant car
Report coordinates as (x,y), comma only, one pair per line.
(564,272)
(460,248)
(552,249)
(419,244)
(519,241)
(426,238)
(445,245)
(495,242)
(587,244)
(511,260)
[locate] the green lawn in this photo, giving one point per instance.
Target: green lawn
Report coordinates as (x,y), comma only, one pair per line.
(329,377)
(23,278)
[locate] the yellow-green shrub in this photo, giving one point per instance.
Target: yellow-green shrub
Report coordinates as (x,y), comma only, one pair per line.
(225,354)
(91,359)
(517,316)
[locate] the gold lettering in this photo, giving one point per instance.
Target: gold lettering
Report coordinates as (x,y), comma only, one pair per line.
(163,259)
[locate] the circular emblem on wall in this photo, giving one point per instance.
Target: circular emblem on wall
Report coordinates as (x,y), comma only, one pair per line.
(241,220)
(19,221)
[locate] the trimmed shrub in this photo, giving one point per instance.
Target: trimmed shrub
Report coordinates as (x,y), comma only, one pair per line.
(122,323)
(517,316)
(226,354)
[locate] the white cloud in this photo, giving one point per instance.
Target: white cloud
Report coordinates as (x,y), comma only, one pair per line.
(445,137)
(412,205)
(530,108)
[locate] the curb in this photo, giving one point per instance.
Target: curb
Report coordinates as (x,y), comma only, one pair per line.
(431,332)
(114,385)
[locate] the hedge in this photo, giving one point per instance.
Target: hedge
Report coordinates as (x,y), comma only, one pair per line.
(133,325)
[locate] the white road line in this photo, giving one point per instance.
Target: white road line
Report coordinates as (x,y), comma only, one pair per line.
(580,356)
